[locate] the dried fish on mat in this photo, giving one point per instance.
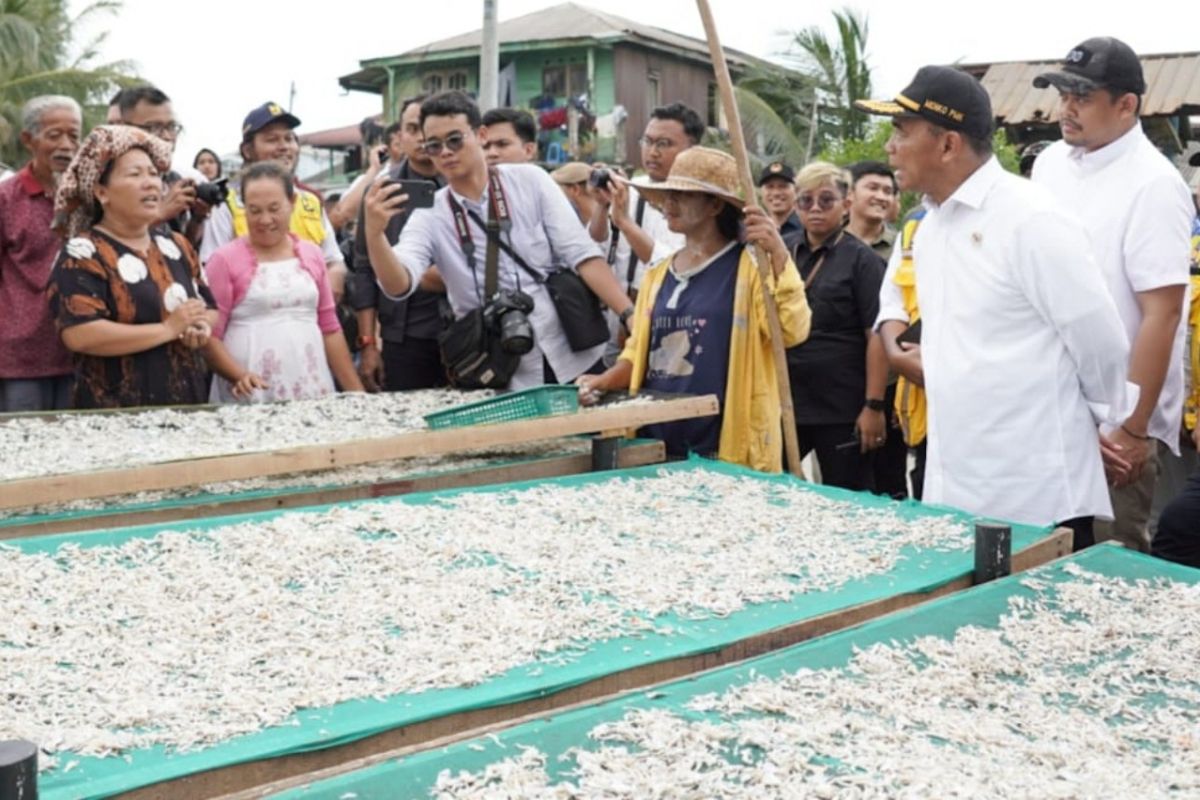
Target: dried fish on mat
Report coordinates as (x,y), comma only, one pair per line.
(189,638)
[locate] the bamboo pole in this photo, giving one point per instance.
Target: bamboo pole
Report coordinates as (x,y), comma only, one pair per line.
(791,443)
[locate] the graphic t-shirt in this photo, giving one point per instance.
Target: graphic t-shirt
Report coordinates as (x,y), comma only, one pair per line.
(689,347)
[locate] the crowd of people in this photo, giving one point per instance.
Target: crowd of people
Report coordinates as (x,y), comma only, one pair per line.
(1014,346)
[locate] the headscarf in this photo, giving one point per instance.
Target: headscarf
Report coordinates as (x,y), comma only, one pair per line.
(75,200)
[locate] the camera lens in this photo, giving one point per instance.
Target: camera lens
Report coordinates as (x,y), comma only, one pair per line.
(600,178)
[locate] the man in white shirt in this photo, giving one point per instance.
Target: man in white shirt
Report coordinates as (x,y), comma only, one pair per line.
(635,232)
(1137,213)
(543,230)
(1021,346)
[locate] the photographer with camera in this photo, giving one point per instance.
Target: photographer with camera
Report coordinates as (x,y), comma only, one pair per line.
(498,236)
(189,197)
(269,134)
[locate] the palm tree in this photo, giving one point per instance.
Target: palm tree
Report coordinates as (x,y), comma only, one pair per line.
(776,110)
(840,70)
(39,55)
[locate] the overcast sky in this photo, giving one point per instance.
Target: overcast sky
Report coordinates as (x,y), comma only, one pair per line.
(219,59)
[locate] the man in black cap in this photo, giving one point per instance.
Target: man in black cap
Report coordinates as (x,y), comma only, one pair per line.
(269,134)
(1020,343)
(1137,213)
(777,185)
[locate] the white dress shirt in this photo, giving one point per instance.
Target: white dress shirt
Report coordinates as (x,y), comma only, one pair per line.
(545,232)
(1137,212)
(666,241)
(1022,349)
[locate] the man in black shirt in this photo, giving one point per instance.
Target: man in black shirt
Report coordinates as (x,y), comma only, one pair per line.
(409,357)
(839,374)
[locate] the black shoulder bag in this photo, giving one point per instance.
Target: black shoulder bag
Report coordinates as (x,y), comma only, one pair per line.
(470,345)
(580,312)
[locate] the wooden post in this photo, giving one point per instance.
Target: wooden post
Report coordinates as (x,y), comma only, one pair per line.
(606,453)
(18,770)
(725,84)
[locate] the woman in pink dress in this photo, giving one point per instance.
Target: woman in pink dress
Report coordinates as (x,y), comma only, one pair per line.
(277,336)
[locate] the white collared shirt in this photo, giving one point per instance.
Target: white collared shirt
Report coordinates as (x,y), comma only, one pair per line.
(545,232)
(1137,212)
(666,241)
(1023,353)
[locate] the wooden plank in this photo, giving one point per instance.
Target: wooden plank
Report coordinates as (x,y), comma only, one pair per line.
(262,778)
(639,454)
(48,490)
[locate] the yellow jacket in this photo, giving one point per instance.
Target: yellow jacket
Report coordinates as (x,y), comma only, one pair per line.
(307,221)
(751,433)
(910,398)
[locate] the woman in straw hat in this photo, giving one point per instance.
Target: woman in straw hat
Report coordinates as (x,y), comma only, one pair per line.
(700,326)
(128,297)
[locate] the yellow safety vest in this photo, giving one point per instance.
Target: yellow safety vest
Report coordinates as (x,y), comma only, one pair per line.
(307,220)
(1191,406)
(910,398)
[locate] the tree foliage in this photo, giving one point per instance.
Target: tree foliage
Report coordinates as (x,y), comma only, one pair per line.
(40,54)
(841,70)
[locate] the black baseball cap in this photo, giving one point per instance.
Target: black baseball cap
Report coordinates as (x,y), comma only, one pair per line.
(1195,159)
(1099,63)
(944,96)
(776,170)
(263,116)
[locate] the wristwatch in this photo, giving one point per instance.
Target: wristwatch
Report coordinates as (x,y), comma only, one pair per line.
(625,315)
(875,405)
(365,341)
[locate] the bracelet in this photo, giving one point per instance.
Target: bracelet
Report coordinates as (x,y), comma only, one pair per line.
(1134,435)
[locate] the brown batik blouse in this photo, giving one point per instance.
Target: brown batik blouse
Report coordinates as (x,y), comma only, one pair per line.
(97,277)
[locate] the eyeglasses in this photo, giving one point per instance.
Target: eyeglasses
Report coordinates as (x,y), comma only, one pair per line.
(160,128)
(454,142)
(823,201)
(656,144)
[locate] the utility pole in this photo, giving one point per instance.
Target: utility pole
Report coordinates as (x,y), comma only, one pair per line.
(489,59)
(291,96)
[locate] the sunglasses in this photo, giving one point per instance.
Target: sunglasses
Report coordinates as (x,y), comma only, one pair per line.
(454,142)
(823,201)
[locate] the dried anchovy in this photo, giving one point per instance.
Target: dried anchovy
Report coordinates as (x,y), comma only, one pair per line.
(1088,689)
(189,638)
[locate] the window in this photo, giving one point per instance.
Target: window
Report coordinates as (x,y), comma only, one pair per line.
(432,83)
(577,82)
(714,106)
(554,81)
(652,95)
(457,81)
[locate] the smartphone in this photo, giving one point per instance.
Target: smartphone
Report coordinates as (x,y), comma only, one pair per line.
(912,335)
(420,193)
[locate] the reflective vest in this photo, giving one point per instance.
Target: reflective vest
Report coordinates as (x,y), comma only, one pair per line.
(308,221)
(1191,406)
(910,398)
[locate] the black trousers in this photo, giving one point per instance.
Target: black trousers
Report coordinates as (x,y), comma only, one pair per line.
(917,476)
(838,454)
(1178,535)
(891,460)
(550,378)
(1083,528)
(412,364)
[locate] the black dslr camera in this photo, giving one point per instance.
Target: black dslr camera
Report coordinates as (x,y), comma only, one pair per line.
(213,193)
(507,314)
(600,178)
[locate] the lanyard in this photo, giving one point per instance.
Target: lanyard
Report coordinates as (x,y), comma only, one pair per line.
(498,220)
(812,276)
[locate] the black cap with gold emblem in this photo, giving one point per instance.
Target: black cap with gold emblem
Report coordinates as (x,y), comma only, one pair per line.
(263,116)
(944,96)
(776,170)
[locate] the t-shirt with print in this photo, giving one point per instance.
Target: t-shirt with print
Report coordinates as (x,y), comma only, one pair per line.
(690,329)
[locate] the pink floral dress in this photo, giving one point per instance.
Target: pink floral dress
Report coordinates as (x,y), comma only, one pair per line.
(273,332)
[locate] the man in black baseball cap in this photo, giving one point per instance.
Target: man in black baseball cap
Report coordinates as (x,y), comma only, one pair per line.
(268,135)
(942,104)
(777,185)
(1100,85)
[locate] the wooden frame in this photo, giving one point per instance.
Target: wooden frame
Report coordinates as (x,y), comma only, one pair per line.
(635,454)
(608,421)
(262,778)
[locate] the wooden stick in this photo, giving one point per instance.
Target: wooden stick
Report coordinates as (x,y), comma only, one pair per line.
(174,474)
(791,442)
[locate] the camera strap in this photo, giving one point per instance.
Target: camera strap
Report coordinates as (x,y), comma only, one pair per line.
(498,220)
(631,270)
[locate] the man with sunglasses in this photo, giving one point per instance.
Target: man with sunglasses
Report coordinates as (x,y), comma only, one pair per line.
(1021,348)
(1137,212)
(839,374)
(541,228)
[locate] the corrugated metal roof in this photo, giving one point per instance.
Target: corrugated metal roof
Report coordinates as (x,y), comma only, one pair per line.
(573,21)
(1172,85)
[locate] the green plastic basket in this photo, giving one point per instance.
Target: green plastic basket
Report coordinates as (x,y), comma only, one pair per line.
(540,401)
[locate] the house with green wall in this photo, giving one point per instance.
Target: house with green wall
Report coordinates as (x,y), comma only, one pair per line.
(567,51)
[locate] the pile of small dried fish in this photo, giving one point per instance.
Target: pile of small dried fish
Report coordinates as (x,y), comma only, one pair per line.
(192,637)
(1089,689)
(33,446)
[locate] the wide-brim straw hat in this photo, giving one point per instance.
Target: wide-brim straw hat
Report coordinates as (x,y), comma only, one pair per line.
(698,169)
